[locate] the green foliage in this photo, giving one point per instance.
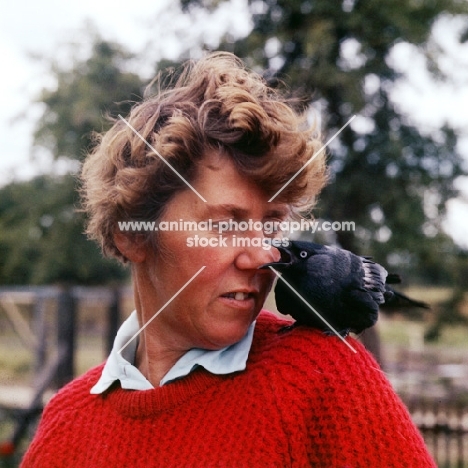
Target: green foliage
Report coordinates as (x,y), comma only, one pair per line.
(85,93)
(41,236)
(386,175)
(41,232)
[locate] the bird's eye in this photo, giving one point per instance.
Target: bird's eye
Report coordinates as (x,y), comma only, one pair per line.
(303,254)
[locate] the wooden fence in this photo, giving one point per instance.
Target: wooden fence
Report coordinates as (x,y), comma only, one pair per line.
(51,370)
(444,426)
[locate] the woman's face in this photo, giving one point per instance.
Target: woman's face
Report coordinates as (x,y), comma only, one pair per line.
(217,307)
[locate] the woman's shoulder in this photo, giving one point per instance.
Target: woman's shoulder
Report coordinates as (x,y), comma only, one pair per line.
(320,370)
(336,393)
(274,331)
(310,351)
(76,393)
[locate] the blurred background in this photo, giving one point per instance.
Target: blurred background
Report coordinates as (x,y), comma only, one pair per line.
(399,171)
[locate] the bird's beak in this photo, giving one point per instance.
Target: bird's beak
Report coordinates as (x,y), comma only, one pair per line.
(284,262)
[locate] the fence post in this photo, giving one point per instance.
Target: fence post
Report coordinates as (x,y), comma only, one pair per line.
(40,328)
(66,318)
(113,319)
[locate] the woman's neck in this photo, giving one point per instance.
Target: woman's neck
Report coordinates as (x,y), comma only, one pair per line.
(152,361)
(154,355)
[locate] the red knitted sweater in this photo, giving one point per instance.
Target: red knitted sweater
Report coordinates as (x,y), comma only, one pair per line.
(304,400)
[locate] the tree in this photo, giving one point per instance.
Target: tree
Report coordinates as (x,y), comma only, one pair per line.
(41,236)
(386,174)
(41,232)
(84,95)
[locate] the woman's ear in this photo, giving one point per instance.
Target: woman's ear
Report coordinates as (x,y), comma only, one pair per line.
(131,246)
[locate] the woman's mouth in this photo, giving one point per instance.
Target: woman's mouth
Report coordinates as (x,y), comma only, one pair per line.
(238,296)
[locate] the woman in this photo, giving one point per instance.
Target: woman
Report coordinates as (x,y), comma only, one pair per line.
(199,375)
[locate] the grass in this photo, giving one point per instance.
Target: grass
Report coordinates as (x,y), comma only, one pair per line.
(400,332)
(16,361)
(90,353)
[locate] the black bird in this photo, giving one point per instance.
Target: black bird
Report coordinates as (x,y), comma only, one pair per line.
(344,288)
(397,301)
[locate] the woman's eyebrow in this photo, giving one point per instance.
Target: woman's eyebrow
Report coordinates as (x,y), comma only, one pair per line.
(227,209)
(278,213)
(237,211)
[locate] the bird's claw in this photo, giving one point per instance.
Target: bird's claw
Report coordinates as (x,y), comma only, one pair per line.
(344,333)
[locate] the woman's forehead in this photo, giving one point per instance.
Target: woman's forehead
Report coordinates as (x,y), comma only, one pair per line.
(225,188)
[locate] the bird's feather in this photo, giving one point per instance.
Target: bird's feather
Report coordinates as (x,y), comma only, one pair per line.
(344,288)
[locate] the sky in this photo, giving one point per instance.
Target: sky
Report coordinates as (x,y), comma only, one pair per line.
(146,27)
(40,27)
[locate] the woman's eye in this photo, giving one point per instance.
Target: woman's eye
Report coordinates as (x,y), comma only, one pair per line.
(225,226)
(273,227)
(270,230)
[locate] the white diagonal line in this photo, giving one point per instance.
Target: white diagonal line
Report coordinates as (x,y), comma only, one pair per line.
(312,158)
(161,309)
(313,310)
(160,157)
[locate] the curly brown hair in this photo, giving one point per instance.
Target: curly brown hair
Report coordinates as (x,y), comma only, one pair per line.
(215,104)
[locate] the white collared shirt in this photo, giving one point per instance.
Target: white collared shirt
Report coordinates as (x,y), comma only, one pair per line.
(120,365)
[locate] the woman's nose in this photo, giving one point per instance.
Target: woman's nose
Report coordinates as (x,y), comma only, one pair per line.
(253,256)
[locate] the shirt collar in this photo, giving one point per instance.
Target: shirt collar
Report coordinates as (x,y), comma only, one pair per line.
(120,366)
